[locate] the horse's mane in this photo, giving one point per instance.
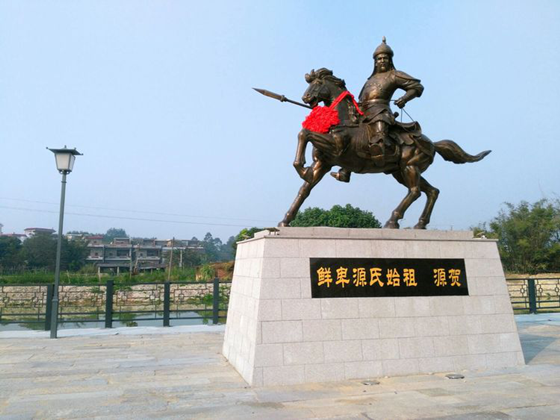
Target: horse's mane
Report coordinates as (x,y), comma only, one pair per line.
(325,74)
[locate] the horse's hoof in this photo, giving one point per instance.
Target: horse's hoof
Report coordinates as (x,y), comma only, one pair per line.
(391,225)
(422,223)
(283,224)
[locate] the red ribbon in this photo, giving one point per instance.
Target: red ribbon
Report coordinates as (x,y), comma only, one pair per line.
(344,95)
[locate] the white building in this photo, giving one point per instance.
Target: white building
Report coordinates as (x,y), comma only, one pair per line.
(29,232)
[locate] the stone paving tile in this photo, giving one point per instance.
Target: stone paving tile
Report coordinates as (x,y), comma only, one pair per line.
(536,413)
(184,376)
(484,415)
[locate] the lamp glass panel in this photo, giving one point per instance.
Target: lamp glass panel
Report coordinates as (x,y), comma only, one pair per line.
(64,161)
(71,162)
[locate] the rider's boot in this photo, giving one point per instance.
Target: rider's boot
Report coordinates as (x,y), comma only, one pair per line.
(377,151)
(378,142)
(343,175)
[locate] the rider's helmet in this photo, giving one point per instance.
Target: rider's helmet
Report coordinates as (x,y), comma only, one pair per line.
(383,49)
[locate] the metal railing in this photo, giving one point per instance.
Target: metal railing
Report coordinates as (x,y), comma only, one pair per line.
(534,294)
(109,303)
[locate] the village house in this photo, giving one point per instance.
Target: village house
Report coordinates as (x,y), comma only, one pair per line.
(139,254)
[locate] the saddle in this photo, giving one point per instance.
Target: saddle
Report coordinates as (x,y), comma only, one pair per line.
(409,134)
(404,133)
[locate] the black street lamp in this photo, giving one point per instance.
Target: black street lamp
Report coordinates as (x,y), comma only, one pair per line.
(64,163)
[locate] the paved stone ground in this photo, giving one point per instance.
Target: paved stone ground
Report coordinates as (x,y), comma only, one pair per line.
(177,373)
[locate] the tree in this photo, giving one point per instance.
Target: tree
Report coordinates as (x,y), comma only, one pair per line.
(245,234)
(74,254)
(338,216)
(192,258)
(10,252)
(528,236)
(216,250)
(114,233)
(39,251)
(227,252)
(211,247)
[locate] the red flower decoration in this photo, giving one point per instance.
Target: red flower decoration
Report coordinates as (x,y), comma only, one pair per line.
(321,119)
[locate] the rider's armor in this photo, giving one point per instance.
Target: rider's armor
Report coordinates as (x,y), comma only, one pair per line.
(375,99)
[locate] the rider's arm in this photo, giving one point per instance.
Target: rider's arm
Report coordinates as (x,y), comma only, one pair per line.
(412,86)
(408,96)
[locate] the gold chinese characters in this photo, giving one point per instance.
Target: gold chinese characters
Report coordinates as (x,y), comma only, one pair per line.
(390,277)
(441,277)
(360,278)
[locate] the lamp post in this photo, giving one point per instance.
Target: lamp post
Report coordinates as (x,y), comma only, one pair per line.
(64,163)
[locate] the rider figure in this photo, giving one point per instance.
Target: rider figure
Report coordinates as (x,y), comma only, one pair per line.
(376,95)
(375,100)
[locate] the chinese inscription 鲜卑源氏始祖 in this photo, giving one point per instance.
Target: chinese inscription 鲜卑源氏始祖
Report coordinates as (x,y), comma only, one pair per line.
(381,277)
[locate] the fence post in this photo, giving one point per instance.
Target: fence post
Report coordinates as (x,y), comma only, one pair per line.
(216,301)
(48,309)
(109,304)
(532,296)
(166,303)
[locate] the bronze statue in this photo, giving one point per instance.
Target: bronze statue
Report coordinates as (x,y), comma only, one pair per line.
(365,137)
(376,94)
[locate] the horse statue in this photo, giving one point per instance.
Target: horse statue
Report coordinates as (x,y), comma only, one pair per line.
(344,142)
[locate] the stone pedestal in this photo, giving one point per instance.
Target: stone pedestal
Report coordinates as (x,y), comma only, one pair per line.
(277,334)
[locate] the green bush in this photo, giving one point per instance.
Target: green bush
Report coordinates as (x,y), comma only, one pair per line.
(337,216)
(207,272)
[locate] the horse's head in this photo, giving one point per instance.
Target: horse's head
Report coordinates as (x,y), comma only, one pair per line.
(323,87)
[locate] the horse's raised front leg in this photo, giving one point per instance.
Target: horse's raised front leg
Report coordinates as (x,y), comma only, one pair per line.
(410,178)
(317,170)
(432,194)
(299,161)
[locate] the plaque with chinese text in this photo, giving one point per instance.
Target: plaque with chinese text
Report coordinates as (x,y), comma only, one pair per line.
(387,277)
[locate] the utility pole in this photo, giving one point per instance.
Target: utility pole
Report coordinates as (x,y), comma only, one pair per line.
(181,258)
(170,259)
(131,262)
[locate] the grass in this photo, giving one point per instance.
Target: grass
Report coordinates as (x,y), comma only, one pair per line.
(77,278)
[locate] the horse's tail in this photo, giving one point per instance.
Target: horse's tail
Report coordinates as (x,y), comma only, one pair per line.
(452,152)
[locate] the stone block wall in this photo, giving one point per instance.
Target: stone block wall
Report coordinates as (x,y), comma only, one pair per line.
(277,334)
(32,300)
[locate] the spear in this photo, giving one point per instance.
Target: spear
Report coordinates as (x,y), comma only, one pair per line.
(281,98)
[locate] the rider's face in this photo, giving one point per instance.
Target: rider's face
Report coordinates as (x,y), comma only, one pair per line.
(382,62)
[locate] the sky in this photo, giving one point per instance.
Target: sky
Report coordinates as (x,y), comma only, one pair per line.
(157,96)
